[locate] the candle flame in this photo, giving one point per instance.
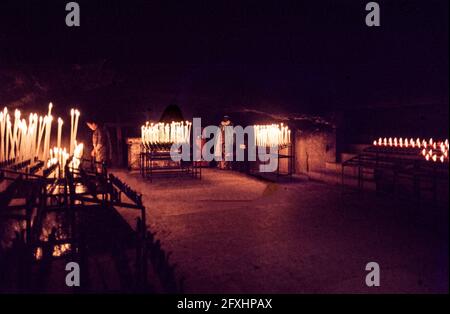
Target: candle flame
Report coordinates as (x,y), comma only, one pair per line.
(430,149)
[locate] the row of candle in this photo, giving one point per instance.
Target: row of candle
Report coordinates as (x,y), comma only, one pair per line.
(430,155)
(432,150)
(77,155)
(31,138)
(24,140)
(74,117)
(272,135)
(434,154)
(405,142)
(60,155)
(165,133)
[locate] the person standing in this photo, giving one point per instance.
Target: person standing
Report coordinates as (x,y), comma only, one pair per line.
(101,151)
(224,139)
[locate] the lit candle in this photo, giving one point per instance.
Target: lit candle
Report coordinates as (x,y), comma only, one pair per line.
(2,135)
(58,141)
(42,123)
(72,115)
(35,131)
(14,133)
(50,106)
(8,136)
(48,130)
(75,131)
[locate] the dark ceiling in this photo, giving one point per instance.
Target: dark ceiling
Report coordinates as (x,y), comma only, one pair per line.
(132,58)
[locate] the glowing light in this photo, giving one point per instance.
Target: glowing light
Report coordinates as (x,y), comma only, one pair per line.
(272,135)
(431,149)
(166,133)
(30,138)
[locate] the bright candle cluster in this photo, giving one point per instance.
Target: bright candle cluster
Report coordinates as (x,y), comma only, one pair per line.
(431,150)
(166,133)
(60,155)
(272,135)
(30,138)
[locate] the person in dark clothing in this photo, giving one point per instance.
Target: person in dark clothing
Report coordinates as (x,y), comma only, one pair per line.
(100,142)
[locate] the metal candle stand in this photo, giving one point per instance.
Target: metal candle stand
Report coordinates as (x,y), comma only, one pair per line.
(284,152)
(392,166)
(153,154)
(79,192)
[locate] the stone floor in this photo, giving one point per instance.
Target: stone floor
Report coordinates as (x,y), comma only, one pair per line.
(230,233)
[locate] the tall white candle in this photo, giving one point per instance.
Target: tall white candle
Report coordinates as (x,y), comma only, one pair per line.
(48,131)
(50,106)
(23,134)
(14,133)
(58,140)
(72,114)
(2,135)
(42,123)
(35,134)
(8,135)
(75,131)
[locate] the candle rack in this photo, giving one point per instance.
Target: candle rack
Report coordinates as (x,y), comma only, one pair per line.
(285,163)
(72,217)
(392,169)
(156,160)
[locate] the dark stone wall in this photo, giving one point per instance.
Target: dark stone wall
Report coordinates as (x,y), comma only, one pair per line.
(314,149)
